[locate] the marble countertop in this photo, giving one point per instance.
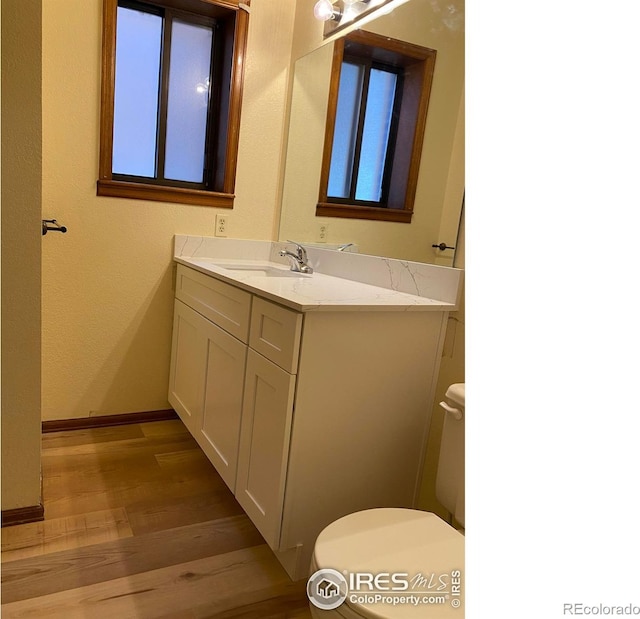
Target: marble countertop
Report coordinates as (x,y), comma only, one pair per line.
(316,292)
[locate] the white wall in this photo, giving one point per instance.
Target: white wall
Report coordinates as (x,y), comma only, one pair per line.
(107,284)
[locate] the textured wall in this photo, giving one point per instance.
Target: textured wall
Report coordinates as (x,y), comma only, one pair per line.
(107,284)
(21,243)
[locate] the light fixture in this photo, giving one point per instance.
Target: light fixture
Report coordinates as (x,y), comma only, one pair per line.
(324,10)
(202,87)
(340,14)
(352,8)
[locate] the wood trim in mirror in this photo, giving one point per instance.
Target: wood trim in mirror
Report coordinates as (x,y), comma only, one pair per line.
(364,212)
(418,65)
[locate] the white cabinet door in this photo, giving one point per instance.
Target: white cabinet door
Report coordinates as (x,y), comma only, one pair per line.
(220,430)
(188,366)
(264,444)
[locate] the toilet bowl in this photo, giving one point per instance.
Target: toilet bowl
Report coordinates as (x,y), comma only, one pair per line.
(397,563)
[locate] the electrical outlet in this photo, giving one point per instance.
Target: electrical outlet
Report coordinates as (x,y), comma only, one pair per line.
(323,233)
(222,223)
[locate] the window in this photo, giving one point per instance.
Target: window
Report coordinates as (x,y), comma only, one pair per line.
(171,85)
(364,132)
(376,117)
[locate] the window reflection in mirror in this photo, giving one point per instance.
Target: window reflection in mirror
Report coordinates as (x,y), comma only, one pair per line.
(378,102)
(434,24)
(364,132)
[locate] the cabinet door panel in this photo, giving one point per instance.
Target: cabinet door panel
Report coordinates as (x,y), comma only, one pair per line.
(188,363)
(264,444)
(220,431)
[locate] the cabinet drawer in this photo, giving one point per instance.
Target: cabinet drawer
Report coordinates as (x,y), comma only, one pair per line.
(275,333)
(225,305)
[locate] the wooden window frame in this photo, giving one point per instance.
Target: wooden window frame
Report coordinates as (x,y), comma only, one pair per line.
(232,27)
(417,64)
(368,65)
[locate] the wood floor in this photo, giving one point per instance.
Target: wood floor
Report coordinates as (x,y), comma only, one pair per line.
(138,525)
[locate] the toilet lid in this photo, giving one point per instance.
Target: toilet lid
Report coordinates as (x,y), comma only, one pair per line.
(455,393)
(415,553)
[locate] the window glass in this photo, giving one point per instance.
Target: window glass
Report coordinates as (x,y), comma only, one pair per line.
(189,81)
(139,36)
(375,136)
(172,73)
(346,130)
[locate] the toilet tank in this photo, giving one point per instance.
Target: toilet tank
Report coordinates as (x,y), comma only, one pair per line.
(450,475)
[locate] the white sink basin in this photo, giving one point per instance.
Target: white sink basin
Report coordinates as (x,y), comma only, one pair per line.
(261,270)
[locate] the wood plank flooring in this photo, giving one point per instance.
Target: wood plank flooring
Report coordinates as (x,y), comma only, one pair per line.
(138,525)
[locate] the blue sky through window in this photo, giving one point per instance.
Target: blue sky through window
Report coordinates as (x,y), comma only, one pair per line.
(188,101)
(139,37)
(346,126)
(380,101)
(375,137)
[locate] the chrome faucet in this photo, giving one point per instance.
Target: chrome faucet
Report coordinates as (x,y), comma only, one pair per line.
(343,247)
(298,259)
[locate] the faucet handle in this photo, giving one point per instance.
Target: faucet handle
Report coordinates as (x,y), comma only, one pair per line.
(345,246)
(302,252)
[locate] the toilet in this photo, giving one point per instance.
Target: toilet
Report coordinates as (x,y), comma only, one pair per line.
(398,563)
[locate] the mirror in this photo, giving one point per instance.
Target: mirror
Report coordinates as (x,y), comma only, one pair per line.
(439,196)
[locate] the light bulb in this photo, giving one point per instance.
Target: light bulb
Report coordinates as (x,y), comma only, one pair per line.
(203,87)
(324,10)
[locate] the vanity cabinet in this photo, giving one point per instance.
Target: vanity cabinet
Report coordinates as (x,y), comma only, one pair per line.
(236,402)
(206,386)
(306,415)
(264,444)
(267,412)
